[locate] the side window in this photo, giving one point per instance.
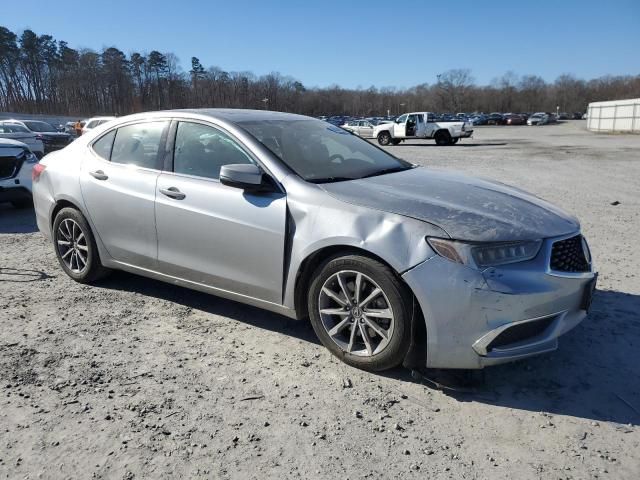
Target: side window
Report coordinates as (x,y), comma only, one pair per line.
(402,119)
(138,144)
(202,150)
(103,146)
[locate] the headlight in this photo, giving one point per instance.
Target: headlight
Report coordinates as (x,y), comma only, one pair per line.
(30,158)
(483,255)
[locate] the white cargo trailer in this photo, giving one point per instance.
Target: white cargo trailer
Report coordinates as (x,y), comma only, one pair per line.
(614,116)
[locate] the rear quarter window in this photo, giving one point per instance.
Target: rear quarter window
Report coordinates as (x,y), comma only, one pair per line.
(104,144)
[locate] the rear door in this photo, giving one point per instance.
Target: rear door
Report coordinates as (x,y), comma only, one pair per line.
(118,180)
(214,234)
(366,129)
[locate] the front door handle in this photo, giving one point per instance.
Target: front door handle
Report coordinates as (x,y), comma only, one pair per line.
(172,192)
(99,175)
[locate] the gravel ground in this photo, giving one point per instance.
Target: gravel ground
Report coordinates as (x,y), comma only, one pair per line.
(133,378)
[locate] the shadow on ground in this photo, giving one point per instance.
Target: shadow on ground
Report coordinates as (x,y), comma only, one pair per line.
(17,220)
(210,304)
(595,374)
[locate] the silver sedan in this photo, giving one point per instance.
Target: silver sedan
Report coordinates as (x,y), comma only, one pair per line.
(391,262)
(363,128)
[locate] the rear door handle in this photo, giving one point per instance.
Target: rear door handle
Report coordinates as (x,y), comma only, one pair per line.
(99,175)
(172,192)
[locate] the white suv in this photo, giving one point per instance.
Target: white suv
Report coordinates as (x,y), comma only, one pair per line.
(16,168)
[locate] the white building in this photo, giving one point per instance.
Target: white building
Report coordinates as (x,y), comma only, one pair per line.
(614,116)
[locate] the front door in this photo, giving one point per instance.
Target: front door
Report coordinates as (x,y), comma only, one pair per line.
(118,181)
(214,234)
(400,127)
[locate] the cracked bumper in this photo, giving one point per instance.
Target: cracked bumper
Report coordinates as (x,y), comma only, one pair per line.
(467,311)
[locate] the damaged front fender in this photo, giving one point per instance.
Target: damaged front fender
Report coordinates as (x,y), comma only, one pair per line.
(317,221)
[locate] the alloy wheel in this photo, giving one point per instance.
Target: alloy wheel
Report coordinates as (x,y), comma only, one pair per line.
(356,313)
(72,245)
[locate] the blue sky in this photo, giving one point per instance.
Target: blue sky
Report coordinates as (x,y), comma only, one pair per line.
(363,43)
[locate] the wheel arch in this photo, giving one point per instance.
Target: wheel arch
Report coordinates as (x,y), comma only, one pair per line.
(416,357)
(64,202)
(59,205)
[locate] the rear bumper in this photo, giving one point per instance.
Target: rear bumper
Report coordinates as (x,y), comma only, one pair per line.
(467,312)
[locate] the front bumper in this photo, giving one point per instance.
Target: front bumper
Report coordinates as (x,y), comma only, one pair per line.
(467,312)
(18,187)
(466,134)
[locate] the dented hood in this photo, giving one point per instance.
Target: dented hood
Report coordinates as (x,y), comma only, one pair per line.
(467,208)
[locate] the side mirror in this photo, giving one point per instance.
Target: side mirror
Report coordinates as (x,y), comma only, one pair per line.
(248,177)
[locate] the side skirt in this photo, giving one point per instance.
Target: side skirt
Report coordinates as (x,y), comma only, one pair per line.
(201,287)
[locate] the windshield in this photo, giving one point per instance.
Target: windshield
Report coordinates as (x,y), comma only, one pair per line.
(38,126)
(320,152)
(12,128)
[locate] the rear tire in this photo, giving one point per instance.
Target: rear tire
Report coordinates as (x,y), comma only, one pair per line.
(454,141)
(76,248)
(384,138)
(442,138)
(395,141)
(367,330)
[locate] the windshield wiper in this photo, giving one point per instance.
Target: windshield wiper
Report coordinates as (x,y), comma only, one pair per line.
(387,170)
(330,179)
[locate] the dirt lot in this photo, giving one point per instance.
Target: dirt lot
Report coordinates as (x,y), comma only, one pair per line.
(133,378)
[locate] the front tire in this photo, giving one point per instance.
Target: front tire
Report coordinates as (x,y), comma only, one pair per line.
(361,312)
(384,138)
(76,247)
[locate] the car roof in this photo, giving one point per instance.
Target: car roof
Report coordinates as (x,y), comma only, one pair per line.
(240,115)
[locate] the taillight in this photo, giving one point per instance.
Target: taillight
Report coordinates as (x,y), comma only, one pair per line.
(37,170)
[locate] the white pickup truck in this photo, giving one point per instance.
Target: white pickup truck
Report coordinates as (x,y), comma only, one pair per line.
(420,125)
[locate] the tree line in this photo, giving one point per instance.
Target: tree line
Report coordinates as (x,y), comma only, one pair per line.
(39,74)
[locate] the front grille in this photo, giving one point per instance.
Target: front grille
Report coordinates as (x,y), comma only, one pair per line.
(569,256)
(521,332)
(9,166)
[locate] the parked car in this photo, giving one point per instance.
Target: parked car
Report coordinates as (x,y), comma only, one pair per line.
(539,118)
(495,119)
(16,164)
(94,122)
(563,116)
(364,128)
(284,212)
(13,131)
(478,120)
(514,119)
(51,138)
(577,116)
(422,125)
